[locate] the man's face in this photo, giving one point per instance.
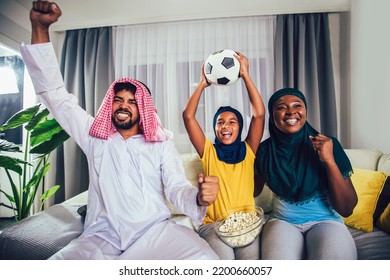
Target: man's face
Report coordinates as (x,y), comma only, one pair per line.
(125,114)
(289,113)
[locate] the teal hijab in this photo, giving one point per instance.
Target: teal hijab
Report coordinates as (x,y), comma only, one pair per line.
(288,163)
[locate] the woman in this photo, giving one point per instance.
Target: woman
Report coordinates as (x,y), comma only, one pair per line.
(309,174)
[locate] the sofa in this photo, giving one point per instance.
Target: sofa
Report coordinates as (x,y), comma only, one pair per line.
(43,234)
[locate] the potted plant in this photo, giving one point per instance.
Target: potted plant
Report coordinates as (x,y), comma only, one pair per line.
(43,135)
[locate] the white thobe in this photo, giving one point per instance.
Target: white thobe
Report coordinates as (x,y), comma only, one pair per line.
(129,181)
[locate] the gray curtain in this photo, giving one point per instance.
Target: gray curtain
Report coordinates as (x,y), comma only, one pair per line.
(303,60)
(87,68)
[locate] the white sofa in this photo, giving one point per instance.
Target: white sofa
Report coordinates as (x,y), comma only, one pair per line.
(43,234)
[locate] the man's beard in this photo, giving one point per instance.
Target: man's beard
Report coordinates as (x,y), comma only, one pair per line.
(124,125)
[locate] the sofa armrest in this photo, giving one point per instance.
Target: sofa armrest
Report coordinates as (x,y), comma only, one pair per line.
(384,163)
(41,235)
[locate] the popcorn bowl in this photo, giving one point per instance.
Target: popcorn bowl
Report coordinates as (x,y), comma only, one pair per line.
(240,226)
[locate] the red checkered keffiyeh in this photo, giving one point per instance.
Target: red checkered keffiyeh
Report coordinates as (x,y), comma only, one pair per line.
(151,127)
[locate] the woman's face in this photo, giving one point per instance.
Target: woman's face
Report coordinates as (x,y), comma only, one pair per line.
(227,127)
(289,113)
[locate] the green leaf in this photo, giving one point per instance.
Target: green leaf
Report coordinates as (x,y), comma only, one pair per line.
(15,192)
(10,198)
(48,146)
(32,183)
(44,131)
(11,163)
(31,190)
(43,136)
(20,118)
(38,118)
(6,146)
(49,193)
(36,178)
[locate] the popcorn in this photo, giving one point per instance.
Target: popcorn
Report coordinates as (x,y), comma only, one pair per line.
(238,221)
(240,228)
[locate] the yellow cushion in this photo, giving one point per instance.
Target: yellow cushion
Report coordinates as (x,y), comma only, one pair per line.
(368,185)
(384,220)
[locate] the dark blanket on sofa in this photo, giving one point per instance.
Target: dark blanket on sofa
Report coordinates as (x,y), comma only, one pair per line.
(373,245)
(40,236)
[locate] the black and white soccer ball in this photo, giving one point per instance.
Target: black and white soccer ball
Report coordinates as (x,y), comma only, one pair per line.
(222,68)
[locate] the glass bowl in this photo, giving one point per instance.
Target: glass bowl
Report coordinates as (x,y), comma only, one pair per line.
(240,226)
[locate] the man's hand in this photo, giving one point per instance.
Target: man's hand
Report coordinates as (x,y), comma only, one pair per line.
(42,15)
(208,189)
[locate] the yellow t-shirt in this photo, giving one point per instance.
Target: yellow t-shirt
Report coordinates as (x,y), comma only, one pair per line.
(236,181)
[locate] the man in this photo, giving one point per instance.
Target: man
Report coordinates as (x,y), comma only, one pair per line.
(133,164)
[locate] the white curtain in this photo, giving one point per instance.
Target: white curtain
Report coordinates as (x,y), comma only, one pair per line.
(167,57)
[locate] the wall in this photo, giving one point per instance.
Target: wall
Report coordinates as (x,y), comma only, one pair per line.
(370,75)
(14,23)
(15,26)
(364,122)
(147,11)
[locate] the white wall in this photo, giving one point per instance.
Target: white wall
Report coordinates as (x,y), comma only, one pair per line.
(92,13)
(364,124)
(15,25)
(370,74)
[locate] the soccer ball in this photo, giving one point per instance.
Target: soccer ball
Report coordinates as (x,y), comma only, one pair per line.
(222,68)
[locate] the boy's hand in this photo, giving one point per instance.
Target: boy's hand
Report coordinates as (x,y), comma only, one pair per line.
(208,189)
(203,80)
(244,64)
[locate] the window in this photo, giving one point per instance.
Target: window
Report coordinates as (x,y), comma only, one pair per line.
(168,57)
(11,93)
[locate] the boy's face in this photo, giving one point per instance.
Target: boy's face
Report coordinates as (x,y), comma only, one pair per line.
(125,114)
(227,128)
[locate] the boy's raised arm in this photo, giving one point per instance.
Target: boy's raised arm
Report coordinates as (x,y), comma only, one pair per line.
(256,127)
(193,128)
